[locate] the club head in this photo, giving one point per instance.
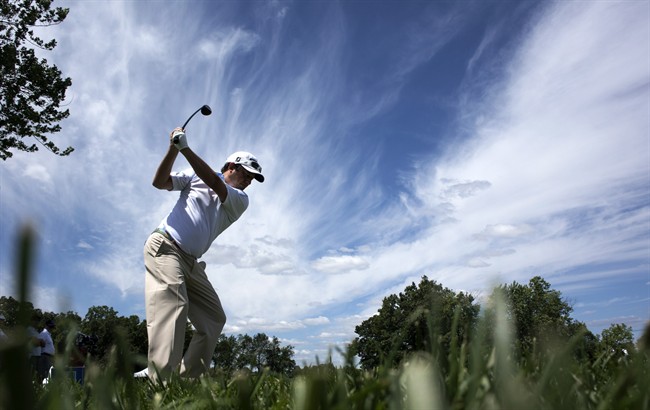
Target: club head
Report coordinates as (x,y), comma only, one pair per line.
(205,110)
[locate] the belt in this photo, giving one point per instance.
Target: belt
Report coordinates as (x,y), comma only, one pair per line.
(46,354)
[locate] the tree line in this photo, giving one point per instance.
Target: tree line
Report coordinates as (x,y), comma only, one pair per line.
(426,317)
(102,326)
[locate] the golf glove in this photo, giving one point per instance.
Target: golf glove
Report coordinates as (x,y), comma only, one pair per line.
(179,140)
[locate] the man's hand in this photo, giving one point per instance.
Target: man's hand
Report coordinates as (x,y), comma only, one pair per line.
(179,139)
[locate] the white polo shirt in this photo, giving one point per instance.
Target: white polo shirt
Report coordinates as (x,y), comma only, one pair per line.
(49,343)
(199,216)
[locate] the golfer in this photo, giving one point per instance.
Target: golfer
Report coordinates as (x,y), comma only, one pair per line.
(176,285)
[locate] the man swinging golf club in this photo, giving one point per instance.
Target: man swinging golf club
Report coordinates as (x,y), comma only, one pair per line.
(176,285)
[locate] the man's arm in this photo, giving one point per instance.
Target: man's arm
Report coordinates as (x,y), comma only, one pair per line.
(206,173)
(163,179)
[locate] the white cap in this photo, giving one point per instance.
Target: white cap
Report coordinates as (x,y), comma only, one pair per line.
(248,161)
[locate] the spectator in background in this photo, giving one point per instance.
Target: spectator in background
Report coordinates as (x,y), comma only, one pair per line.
(35,343)
(3,335)
(47,351)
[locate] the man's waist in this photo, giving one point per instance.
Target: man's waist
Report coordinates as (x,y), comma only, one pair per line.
(166,234)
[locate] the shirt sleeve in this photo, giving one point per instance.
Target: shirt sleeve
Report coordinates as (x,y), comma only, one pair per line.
(236,202)
(181,179)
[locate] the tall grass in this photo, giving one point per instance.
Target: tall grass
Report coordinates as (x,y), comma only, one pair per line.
(482,373)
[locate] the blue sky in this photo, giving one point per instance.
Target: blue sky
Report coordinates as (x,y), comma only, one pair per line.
(477,143)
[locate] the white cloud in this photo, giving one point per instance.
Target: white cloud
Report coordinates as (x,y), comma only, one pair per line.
(503,231)
(39,173)
(84,245)
(340,264)
(320,320)
(221,45)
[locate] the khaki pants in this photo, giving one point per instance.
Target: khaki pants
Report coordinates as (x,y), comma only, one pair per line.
(177,288)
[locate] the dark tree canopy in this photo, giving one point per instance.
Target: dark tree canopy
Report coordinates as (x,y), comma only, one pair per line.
(103,328)
(617,340)
(253,352)
(31,90)
(541,317)
(414,321)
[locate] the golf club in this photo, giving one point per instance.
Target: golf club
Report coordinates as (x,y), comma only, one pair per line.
(205,110)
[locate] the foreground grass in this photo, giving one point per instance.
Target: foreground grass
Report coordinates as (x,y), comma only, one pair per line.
(475,381)
(480,374)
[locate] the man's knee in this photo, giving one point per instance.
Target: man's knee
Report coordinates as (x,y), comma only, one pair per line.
(218,324)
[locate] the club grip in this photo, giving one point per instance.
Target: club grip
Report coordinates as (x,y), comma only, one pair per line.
(176,136)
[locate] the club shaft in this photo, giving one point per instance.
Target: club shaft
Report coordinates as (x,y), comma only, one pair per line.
(188,120)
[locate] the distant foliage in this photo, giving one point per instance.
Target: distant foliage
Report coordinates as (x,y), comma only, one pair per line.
(480,370)
(102,327)
(31,90)
(257,353)
(418,319)
(103,323)
(541,318)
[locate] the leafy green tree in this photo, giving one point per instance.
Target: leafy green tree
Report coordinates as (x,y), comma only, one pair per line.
(31,91)
(100,322)
(617,340)
(415,320)
(226,353)
(586,347)
(260,347)
(136,333)
(540,315)
(246,353)
(10,307)
(65,323)
(103,323)
(280,359)
(253,352)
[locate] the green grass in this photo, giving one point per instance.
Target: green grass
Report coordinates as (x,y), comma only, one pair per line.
(482,374)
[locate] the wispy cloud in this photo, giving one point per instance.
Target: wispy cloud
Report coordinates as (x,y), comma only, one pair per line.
(544,171)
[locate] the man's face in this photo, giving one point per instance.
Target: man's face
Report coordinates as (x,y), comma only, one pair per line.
(239,178)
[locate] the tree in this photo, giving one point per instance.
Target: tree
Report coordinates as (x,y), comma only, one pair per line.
(100,322)
(586,347)
(415,320)
(539,315)
(617,340)
(226,353)
(136,332)
(280,359)
(256,352)
(10,307)
(31,91)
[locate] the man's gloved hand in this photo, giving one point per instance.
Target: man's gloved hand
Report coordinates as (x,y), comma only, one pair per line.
(179,139)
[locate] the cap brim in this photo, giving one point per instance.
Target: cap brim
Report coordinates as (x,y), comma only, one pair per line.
(259,177)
